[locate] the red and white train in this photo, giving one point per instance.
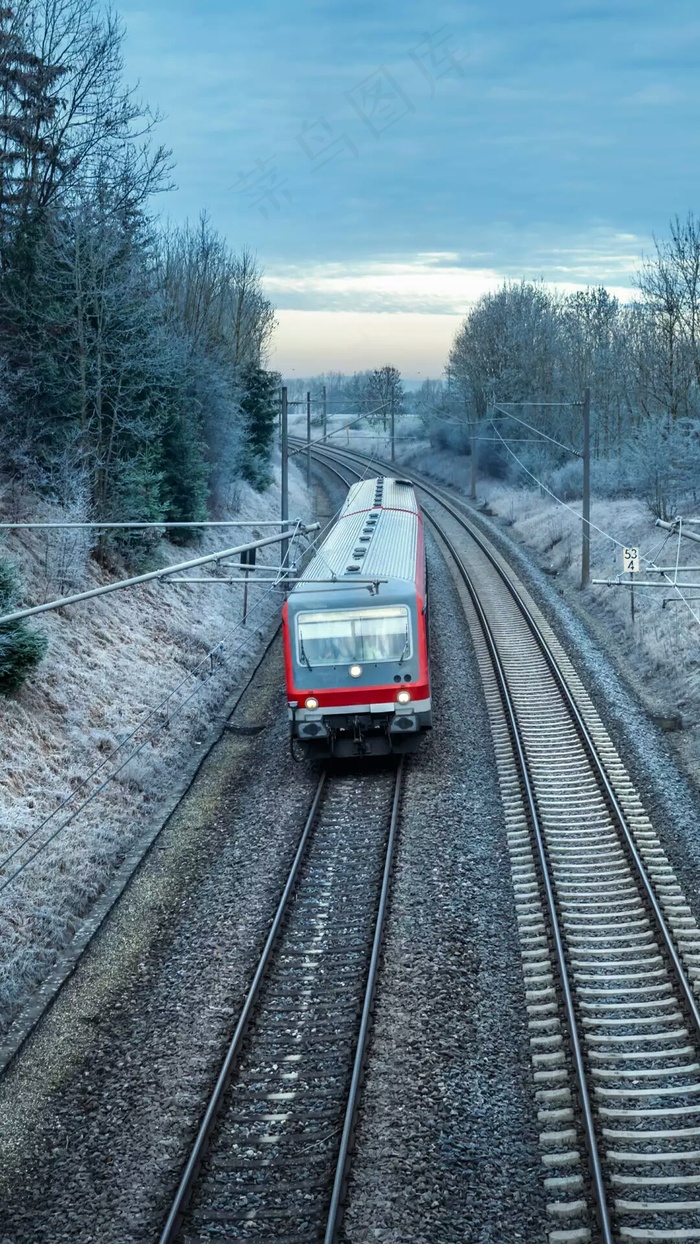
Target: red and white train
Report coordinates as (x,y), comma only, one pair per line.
(356,630)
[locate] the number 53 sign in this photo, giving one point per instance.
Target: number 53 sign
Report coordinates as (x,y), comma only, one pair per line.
(630,560)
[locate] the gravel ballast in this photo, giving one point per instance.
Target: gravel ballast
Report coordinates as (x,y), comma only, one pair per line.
(671,798)
(97,1109)
(447,1141)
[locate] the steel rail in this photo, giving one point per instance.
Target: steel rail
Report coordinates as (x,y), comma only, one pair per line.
(595,1164)
(343,1163)
(444,499)
(678,972)
(593,756)
(191,1172)
(187,1182)
(592,752)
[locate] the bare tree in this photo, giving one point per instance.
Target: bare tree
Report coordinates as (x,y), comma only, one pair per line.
(68,124)
(670,285)
(385,390)
(214,295)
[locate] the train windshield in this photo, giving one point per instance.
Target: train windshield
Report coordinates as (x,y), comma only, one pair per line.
(344,636)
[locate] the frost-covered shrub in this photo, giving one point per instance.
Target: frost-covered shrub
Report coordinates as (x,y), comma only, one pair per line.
(410,429)
(492,459)
(449,435)
(610,477)
(614,477)
(665,457)
(566,481)
(21,649)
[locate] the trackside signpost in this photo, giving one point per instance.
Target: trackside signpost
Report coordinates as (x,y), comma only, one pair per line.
(630,560)
(630,564)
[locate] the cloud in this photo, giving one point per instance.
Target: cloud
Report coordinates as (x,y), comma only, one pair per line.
(661,95)
(555,155)
(445,283)
(417,285)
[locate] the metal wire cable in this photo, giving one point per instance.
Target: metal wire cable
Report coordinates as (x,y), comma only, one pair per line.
(208,657)
(93,795)
(544,436)
(137,728)
(554,496)
(646,558)
(675,586)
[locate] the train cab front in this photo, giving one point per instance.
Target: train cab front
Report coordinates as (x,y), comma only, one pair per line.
(357,676)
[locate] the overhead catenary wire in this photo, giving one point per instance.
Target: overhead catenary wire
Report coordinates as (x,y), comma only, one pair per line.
(543,435)
(160,707)
(540,484)
(172,712)
(98,526)
(150,576)
(321,440)
(601,531)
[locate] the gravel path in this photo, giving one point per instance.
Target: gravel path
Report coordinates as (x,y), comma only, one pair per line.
(447,1142)
(95,1112)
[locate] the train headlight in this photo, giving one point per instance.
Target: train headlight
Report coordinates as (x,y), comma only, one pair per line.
(311,702)
(355,671)
(404,697)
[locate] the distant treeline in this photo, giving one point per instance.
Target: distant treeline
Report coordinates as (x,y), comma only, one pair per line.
(528,344)
(131,384)
(374,393)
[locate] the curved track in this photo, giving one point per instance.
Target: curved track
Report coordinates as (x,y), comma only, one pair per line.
(611,952)
(271,1157)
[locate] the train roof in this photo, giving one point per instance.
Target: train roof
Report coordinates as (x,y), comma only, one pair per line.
(376,535)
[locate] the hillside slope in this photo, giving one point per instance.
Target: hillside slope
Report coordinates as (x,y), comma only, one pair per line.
(142,671)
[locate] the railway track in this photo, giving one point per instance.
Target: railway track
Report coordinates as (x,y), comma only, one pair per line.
(611,951)
(271,1157)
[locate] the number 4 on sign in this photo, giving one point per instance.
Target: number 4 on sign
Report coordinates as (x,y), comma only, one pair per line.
(630,560)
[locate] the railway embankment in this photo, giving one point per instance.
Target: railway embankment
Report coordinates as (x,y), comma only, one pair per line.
(656,652)
(93,749)
(99,1106)
(446,1134)
(608,653)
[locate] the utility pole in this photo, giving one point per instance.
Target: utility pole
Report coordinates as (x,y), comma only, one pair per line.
(586,507)
(284,489)
(325,412)
(472,463)
(393,438)
(308,439)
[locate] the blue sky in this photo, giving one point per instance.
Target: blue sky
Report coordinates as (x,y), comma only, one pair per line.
(388,162)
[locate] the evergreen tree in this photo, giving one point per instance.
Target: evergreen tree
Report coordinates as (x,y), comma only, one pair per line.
(29,101)
(183,474)
(129,357)
(21,649)
(260,407)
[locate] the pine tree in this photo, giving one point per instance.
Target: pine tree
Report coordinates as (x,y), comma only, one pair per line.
(29,101)
(21,649)
(184,473)
(259,404)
